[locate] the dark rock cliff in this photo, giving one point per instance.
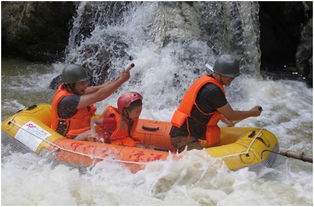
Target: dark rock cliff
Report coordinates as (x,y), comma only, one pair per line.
(36,30)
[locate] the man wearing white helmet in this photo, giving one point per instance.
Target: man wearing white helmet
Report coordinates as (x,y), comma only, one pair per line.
(194,123)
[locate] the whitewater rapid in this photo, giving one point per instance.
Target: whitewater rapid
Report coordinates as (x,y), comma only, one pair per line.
(161,75)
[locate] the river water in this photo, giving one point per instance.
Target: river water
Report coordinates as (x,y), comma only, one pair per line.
(28,179)
(161,75)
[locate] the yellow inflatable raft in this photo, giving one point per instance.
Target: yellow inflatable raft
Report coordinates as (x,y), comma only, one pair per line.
(240,147)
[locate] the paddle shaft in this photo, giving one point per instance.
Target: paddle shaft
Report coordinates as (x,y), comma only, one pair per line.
(294,155)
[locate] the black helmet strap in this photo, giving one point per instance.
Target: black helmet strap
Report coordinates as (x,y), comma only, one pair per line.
(71,88)
(220,79)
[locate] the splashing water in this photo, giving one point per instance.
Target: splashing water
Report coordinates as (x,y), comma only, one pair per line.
(169,55)
(195,180)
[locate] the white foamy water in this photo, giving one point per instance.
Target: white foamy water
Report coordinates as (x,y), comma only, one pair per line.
(197,179)
(161,75)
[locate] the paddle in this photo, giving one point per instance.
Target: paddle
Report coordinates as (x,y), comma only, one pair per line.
(294,155)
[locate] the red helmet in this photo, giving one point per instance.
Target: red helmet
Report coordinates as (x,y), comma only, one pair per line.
(126,99)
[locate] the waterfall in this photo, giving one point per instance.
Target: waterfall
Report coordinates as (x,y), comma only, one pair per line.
(106,32)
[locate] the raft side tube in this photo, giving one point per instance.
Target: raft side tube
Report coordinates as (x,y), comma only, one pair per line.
(89,153)
(234,154)
(30,131)
(32,127)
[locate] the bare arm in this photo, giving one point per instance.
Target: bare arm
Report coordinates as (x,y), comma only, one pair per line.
(232,115)
(92,127)
(93,89)
(103,91)
(226,121)
(93,122)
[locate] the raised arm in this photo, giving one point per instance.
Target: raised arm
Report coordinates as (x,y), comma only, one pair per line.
(93,89)
(103,91)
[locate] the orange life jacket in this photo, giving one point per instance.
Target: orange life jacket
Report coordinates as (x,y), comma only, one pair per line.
(121,134)
(75,125)
(184,110)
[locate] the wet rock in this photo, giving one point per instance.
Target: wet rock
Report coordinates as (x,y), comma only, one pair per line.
(88,16)
(91,45)
(97,59)
(36,30)
(56,81)
(232,27)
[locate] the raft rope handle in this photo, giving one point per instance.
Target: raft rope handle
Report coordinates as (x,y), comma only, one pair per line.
(71,151)
(248,149)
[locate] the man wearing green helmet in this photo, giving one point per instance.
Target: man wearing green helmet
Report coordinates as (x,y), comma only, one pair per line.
(72,106)
(194,123)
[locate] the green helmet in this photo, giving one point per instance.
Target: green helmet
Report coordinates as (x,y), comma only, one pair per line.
(74,73)
(227,65)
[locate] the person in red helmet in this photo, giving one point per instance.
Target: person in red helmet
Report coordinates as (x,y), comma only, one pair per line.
(115,124)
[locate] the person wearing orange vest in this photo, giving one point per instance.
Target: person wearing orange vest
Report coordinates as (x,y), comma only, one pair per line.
(116,124)
(194,123)
(72,105)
